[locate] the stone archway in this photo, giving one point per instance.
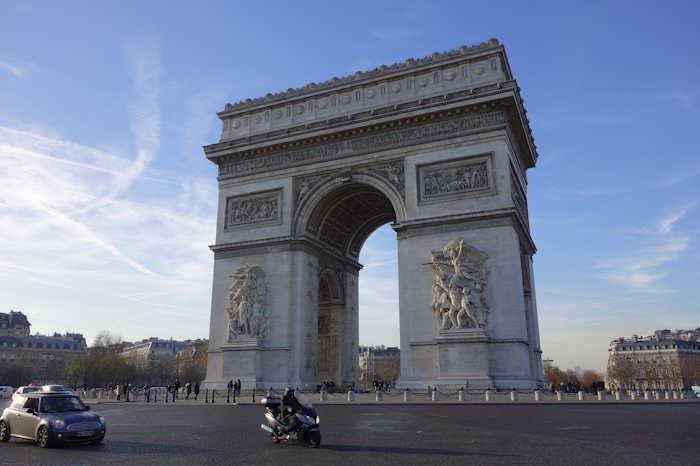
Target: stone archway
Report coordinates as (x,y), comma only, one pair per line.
(440,147)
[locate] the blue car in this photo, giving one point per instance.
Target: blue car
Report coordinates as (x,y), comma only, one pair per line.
(49,418)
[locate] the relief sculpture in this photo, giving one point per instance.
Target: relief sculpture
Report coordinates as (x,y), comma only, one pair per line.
(252,209)
(247,311)
(459,287)
(455,180)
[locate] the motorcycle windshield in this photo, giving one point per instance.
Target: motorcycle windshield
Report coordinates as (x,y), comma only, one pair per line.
(303,399)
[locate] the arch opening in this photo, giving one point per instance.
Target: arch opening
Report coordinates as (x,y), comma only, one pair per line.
(342,219)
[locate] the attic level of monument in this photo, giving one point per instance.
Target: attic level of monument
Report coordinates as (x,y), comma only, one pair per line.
(444,81)
(386,72)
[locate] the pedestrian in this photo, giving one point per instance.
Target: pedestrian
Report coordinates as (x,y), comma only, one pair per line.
(196,390)
(147,392)
(230,388)
(238,387)
(177,388)
(188,388)
(119,392)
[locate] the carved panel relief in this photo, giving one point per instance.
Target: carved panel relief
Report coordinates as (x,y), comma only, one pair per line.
(459,286)
(462,178)
(247,301)
(258,208)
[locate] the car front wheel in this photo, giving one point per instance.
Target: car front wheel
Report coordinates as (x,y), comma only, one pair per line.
(43,438)
(4,431)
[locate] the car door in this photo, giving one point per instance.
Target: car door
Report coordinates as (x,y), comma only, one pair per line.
(27,422)
(14,411)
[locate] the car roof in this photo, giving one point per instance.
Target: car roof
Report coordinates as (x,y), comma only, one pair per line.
(44,394)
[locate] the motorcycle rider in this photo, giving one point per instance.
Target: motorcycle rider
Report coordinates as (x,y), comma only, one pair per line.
(290,406)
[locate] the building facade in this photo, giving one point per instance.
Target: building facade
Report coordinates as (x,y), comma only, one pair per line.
(160,360)
(40,359)
(666,360)
(380,364)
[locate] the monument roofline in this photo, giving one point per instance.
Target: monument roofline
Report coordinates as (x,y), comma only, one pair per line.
(360,77)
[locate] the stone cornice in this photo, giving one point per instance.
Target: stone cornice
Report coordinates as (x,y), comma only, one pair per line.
(384,71)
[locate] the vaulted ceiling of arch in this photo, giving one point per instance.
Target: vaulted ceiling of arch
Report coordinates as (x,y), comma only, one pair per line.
(348,216)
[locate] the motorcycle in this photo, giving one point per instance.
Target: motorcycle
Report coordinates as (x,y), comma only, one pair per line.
(305,429)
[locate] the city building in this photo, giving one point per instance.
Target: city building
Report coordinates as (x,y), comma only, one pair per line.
(41,359)
(162,359)
(665,360)
(379,363)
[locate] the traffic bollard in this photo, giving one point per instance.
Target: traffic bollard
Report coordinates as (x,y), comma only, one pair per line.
(667,395)
(601,395)
(559,395)
(513,395)
(633,395)
(460,394)
(488,395)
(581,395)
(407,395)
(647,395)
(378,396)
(351,395)
(538,395)
(324,395)
(435,395)
(617,395)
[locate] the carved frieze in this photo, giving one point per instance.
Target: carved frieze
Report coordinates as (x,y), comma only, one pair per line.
(459,286)
(455,179)
(362,144)
(247,301)
(250,209)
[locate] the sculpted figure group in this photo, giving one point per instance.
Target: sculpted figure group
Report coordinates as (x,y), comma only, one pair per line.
(246,309)
(459,289)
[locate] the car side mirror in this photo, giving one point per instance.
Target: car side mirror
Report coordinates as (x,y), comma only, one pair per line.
(31,411)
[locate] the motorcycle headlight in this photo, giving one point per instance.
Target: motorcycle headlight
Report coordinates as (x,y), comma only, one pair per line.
(102,420)
(59,423)
(318,420)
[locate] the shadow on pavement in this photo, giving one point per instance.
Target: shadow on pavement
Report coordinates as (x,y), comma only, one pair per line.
(123,446)
(406,451)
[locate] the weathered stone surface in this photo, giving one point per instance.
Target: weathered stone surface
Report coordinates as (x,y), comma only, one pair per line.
(442,155)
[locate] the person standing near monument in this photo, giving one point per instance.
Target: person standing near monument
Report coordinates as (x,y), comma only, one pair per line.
(196,390)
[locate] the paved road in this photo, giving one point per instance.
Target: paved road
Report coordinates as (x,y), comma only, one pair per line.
(394,435)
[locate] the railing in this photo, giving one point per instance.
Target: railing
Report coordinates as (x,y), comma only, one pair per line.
(213,396)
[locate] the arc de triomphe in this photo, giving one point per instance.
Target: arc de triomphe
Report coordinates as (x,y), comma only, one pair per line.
(439,147)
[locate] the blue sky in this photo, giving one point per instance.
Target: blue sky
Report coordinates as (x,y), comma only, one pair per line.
(107,202)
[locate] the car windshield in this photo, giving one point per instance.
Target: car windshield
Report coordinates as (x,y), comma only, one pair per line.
(61,404)
(30,389)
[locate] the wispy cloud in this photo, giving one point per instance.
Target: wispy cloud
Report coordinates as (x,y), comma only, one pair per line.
(18,71)
(640,272)
(104,230)
(686,99)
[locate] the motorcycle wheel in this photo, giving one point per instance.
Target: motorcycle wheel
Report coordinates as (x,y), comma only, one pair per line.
(275,439)
(314,438)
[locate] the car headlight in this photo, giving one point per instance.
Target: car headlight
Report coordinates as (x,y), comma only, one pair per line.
(102,420)
(59,423)
(318,420)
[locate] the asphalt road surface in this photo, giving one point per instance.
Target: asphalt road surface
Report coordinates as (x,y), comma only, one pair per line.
(585,434)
